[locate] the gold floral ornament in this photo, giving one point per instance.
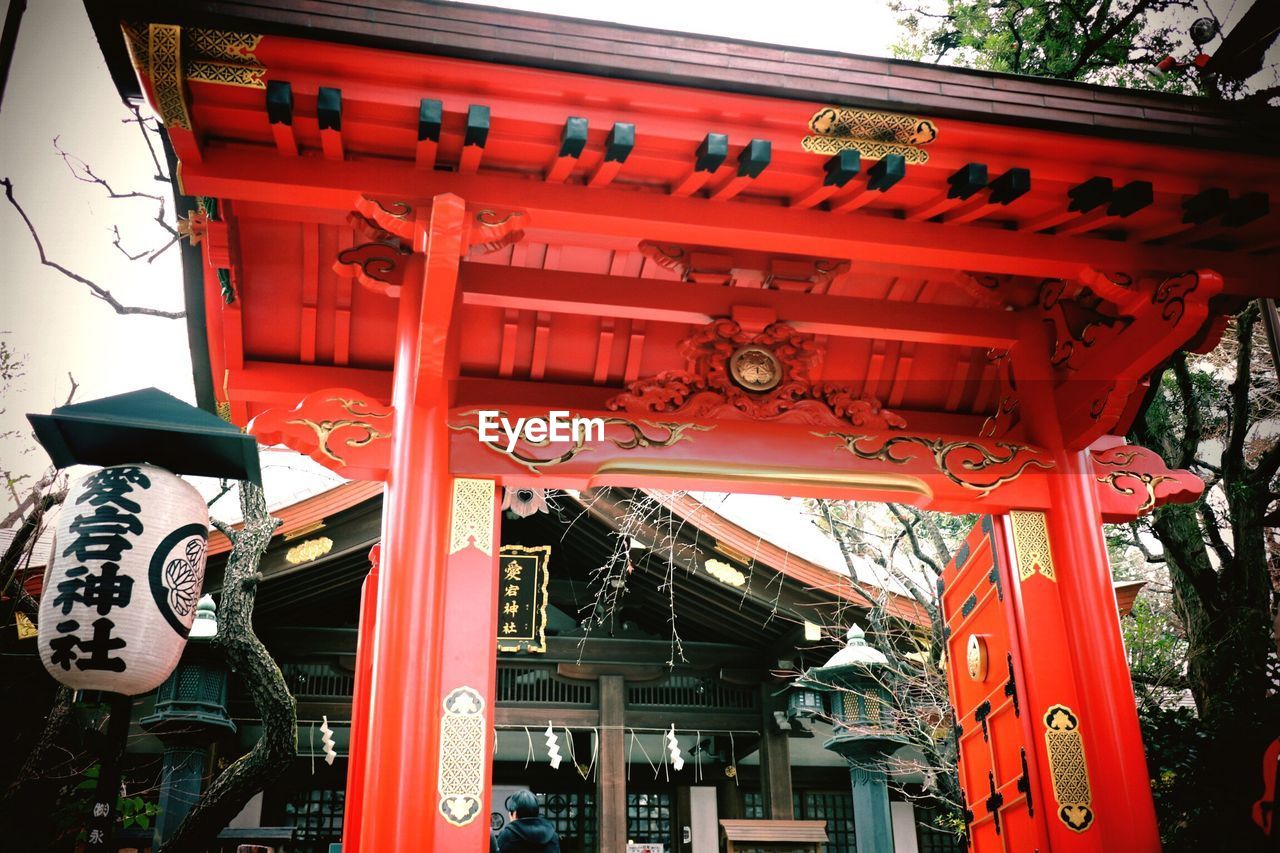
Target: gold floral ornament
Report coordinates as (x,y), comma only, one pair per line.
(767,374)
(462,766)
(325,429)
(642,434)
(874,135)
(306,551)
(755,368)
(724,573)
(980,467)
(1067,768)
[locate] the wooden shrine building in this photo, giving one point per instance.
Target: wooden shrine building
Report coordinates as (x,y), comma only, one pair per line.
(759,270)
(610,687)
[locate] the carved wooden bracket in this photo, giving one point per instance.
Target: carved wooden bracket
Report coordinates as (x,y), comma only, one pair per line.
(342,429)
(1134,480)
(387,229)
(1079,322)
(379,266)
(746,269)
(759,373)
(1111,334)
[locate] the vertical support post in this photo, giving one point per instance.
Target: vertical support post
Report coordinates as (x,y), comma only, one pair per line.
(872,823)
(183,773)
(1088,750)
(1109,725)
(775,761)
(611,775)
(102,817)
(353,804)
(421,658)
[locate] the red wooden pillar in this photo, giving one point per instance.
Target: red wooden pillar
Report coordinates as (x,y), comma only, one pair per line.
(430,704)
(358,744)
(1112,737)
(1082,724)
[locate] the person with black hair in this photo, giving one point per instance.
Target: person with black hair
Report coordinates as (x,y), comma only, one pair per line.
(527,831)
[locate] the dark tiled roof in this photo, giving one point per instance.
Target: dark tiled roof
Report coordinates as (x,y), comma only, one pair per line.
(615,50)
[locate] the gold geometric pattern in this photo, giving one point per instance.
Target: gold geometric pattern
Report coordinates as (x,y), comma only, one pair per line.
(221,44)
(227,73)
(214,56)
(875,135)
(1067,768)
(165,50)
(135,39)
(869,149)
(462,765)
(225,58)
(1031,544)
(471,517)
(866,124)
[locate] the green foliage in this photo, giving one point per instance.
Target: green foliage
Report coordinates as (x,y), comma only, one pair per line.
(1156,649)
(74,808)
(1176,744)
(1115,43)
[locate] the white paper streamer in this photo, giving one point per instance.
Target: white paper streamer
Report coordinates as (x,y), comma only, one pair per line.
(326,739)
(673,747)
(553,747)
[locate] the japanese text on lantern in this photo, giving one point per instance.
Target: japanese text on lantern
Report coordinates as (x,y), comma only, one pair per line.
(522,598)
(105,526)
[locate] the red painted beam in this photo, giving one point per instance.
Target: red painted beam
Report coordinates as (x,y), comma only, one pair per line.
(259,175)
(724,456)
(676,302)
(286,384)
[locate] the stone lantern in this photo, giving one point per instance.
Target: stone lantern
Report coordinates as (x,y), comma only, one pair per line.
(191,710)
(862,711)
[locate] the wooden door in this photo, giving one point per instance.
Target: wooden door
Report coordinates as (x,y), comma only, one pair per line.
(993,719)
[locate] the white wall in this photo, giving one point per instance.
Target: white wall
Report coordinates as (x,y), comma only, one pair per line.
(704,819)
(903,817)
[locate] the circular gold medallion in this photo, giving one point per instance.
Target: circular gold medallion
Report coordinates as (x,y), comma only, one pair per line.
(976,657)
(755,368)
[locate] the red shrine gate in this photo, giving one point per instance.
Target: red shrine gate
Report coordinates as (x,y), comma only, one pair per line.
(756,293)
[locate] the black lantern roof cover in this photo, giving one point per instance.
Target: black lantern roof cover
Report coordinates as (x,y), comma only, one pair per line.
(147,426)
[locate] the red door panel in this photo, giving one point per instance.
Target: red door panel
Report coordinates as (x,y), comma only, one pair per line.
(993,727)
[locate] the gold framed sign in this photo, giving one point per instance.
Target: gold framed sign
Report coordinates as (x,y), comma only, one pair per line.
(522,598)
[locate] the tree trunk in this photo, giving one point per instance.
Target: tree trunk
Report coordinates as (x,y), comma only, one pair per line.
(246,655)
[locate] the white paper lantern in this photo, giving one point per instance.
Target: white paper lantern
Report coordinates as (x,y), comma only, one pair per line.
(123,579)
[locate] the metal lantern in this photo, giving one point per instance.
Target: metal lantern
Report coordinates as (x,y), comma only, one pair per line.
(191,710)
(121,588)
(862,711)
(804,702)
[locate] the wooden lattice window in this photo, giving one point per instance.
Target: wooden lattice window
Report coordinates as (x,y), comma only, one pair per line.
(649,817)
(317,679)
(316,817)
(691,691)
(529,685)
(573,814)
(836,808)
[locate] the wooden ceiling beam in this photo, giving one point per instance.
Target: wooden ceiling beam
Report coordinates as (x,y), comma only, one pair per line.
(242,172)
(594,294)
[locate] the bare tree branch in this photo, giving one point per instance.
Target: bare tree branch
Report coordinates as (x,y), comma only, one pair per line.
(145,126)
(96,289)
